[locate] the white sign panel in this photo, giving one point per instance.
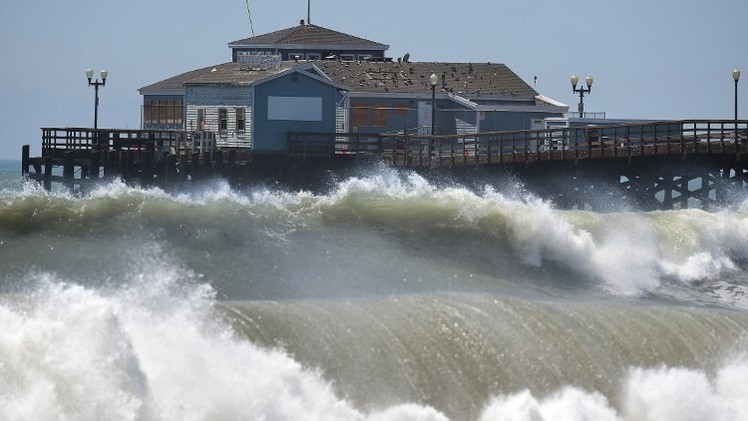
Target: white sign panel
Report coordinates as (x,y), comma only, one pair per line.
(295,108)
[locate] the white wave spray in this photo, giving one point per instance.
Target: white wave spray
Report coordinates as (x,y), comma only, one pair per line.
(153,350)
(647,395)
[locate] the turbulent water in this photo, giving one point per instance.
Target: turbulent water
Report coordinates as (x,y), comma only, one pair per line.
(388,297)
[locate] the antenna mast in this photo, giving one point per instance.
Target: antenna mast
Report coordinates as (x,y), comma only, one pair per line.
(309,11)
(249,13)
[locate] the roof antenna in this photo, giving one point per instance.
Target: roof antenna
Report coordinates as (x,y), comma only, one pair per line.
(251,25)
(309,12)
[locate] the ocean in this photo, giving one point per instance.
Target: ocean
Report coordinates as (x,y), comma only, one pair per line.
(388,296)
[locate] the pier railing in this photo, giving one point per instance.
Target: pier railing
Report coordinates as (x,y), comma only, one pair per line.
(569,143)
(57,141)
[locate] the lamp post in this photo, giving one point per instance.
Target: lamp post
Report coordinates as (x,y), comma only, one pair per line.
(96,84)
(581,90)
(433,79)
(736,77)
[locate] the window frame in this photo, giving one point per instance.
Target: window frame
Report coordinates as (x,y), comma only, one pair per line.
(223,120)
(200,120)
(360,114)
(163,111)
(241,120)
(379,115)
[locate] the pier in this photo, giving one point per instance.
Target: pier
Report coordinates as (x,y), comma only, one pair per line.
(658,165)
(145,157)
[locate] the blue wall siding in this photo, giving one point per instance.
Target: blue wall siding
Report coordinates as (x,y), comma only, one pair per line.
(494,121)
(452,118)
(216,95)
(271,136)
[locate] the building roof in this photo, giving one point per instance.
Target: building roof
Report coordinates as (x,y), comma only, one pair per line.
(227,73)
(469,80)
(308,35)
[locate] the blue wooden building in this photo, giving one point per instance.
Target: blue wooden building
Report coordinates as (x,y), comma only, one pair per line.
(312,79)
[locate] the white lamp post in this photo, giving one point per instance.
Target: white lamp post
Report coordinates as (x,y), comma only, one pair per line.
(96,84)
(581,90)
(736,77)
(433,79)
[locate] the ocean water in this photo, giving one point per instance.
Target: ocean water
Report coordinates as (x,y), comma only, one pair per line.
(387,297)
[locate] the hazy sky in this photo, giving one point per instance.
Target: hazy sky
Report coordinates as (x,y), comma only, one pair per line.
(668,59)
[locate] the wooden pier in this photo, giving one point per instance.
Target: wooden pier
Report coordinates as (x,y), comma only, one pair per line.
(146,157)
(526,147)
(659,165)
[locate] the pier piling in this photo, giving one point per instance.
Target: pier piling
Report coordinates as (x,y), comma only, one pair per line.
(68,170)
(25,160)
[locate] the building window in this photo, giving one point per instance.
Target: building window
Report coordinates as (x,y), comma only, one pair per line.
(200,119)
(364,57)
(296,56)
(360,113)
(401,109)
(223,120)
(379,115)
(313,56)
(348,57)
(240,120)
(163,112)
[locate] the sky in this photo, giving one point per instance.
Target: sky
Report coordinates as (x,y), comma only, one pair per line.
(651,59)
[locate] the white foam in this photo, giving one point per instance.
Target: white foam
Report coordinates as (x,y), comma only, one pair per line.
(569,404)
(650,394)
(628,252)
(153,350)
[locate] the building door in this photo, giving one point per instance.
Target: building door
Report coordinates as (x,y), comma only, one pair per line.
(424,117)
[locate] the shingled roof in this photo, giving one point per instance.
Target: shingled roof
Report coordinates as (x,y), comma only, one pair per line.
(308,34)
(227,73)
(470,80)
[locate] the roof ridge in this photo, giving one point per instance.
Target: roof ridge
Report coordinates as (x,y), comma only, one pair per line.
(297,33)
(293,31)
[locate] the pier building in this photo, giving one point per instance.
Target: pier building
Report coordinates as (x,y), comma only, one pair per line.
(309,78)
(292,105)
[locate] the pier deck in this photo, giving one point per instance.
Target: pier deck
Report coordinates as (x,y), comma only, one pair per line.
(659,165)
(532,146)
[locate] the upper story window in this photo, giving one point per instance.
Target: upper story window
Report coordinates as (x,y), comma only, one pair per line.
(348,57)
(313,56)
